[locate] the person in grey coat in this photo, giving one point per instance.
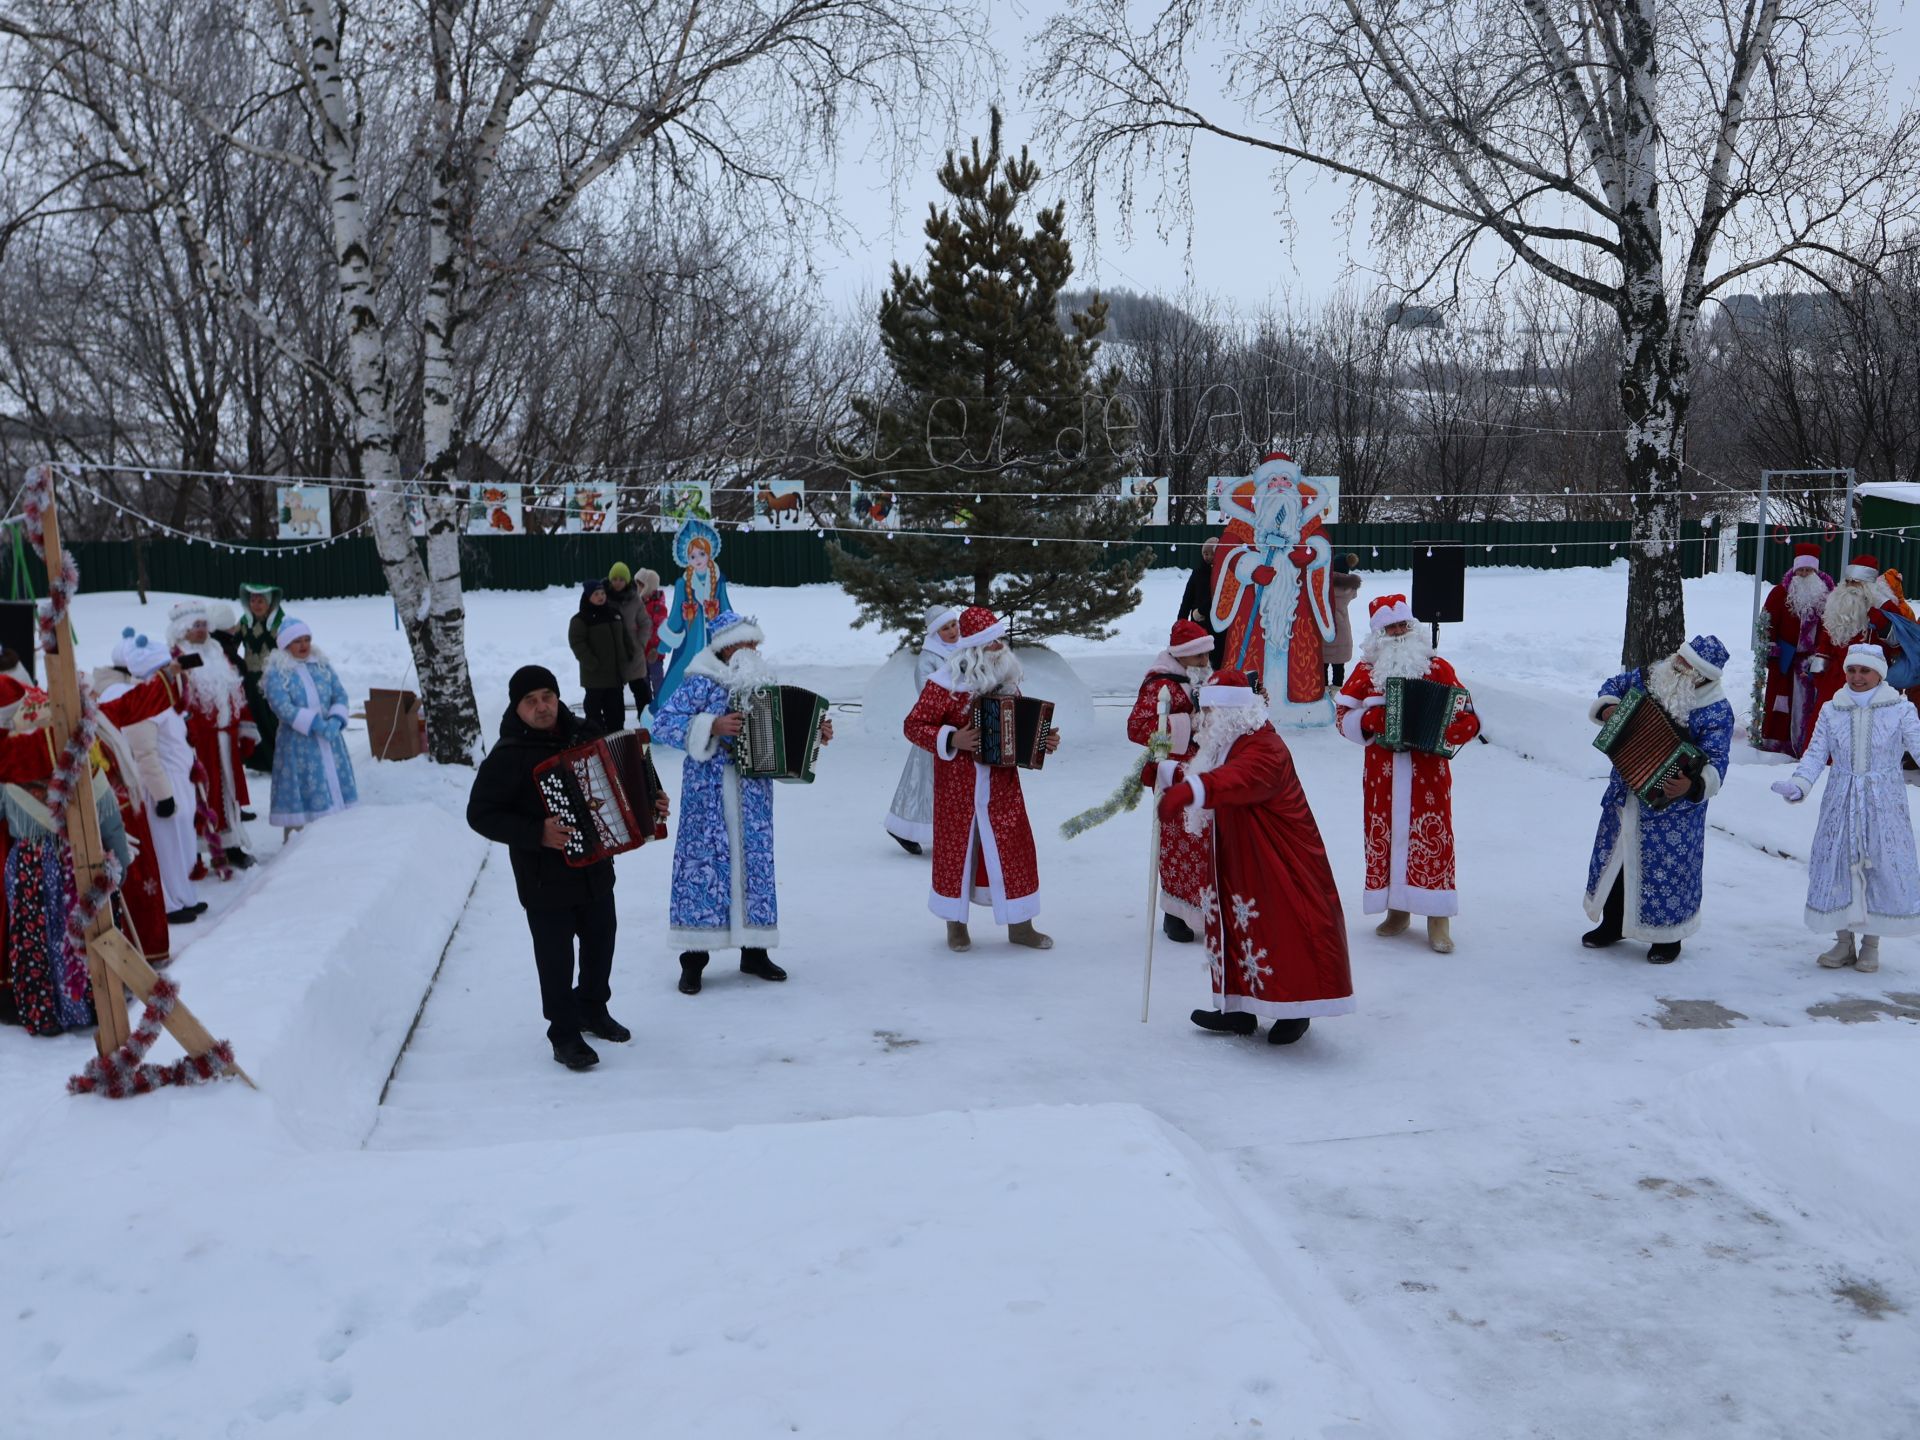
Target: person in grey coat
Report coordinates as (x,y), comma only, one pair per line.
(1338,652)
(624,596)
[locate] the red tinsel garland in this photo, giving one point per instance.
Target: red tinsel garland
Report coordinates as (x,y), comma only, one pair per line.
(125,1072)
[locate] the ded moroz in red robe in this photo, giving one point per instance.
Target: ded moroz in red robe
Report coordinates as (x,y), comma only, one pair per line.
(1184,856)
(991,864)
(1276,936)
(1408,798)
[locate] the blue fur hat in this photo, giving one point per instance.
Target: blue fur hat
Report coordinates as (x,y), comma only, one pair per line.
(1705,654)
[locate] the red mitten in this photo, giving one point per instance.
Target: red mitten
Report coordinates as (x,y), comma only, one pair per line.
(1373,720)
(246,748)
(1177,798)
(1301,556)
(1149,772)
(1263,574)
(1465,726)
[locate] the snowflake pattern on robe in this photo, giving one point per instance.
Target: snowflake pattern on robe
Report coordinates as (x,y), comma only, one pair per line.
(1863,875)
(1664,866)
(312,773)
(700,907)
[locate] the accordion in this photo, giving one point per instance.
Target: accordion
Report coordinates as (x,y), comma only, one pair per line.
(1013,730)
(780,739)
(1647,748)
(605,790)
(1419,713)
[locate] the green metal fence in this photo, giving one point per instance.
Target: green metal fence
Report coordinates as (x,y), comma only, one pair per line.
(1891,547)
(756,557)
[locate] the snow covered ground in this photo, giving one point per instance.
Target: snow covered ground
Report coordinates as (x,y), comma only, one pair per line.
(1527,1191)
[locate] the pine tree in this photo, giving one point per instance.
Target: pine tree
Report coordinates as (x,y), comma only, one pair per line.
(997,418)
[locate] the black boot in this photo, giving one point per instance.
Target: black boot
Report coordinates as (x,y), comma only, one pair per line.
(1664,953)
(595,1020)
(1613,916)
(692,962)
(1285,1032)
(754,961)
(185,915)
(1176,929)
(240,860)
(573,1052)
(1222,1023)
(912,847)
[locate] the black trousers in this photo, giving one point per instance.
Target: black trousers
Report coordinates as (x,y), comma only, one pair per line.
(642,697)
(1613,914)
(606,708)
(554,933)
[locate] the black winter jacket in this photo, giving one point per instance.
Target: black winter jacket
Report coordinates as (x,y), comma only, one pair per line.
(505,807)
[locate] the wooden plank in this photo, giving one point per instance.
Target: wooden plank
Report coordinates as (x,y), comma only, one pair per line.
(83,824)
(123,958)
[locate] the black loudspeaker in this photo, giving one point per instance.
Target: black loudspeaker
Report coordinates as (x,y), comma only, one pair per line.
(19,628)
(1440,584)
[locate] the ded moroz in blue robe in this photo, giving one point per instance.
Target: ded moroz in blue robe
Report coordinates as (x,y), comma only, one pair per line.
(1660,853)
(723,887)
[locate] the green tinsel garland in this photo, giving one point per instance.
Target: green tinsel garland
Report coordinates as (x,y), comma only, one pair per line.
(1762,657)
(1126,796)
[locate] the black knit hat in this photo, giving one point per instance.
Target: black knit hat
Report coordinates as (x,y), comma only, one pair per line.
(529,678)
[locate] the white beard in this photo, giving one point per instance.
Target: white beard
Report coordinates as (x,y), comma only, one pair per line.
(213,687)
(1846,610)
(980,671)
(747,670)
(1397,657)
(1806,594)
(1674,688)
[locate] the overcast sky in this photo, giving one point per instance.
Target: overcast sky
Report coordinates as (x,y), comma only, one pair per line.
(1238,250)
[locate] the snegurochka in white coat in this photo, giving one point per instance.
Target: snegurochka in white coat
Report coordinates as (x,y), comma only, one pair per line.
(1864,877)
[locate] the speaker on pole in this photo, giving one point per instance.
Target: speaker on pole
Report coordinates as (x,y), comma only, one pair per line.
(1440,584)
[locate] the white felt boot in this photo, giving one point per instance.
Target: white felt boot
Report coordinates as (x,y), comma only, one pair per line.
(1868,960)
(1841,953)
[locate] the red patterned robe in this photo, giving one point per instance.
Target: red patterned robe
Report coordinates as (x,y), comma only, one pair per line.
(991,864)
(1276,936)
(1408,796)
(1184,857)
(221,730)
(1792,698)
(1833,655)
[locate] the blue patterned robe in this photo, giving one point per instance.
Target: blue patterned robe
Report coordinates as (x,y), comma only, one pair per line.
(312,774)
(1660,853)
(723,895)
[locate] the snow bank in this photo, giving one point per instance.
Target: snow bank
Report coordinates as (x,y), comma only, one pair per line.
(1826,1124)
(1035,1272)
(318,975)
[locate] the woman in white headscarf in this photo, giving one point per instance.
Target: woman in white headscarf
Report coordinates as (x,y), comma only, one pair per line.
(910,816)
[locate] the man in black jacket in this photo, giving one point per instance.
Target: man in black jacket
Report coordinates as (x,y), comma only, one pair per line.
(563,903)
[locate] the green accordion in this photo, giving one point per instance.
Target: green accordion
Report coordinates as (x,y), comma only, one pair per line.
(1647,748)
(780,739)
(1419,714)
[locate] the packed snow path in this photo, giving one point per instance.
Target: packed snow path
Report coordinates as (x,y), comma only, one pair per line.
(1499,1160)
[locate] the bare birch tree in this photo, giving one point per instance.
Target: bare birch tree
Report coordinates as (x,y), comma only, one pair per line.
(1644,155)
(448,145)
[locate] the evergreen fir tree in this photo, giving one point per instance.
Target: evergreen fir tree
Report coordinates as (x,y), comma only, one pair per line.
(997,418)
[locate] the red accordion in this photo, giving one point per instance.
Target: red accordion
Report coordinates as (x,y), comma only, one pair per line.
(605,790)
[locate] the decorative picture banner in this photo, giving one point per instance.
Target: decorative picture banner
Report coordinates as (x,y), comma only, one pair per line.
(681,501)
(871,504)
(780,505)
(495,509)
(306,512)
(1140,487)
(591,509)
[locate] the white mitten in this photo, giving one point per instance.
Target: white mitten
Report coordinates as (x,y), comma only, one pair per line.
(1788,789)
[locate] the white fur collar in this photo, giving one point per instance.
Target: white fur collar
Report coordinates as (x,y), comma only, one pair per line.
(1878,698)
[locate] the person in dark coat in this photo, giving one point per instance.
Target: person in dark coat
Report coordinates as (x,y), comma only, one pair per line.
(1197,603)
(603,645)
(564,903)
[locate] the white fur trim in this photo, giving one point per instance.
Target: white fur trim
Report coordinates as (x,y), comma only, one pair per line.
(1804,562)
(1624,864)
(738,934)
(1202,646)
(1228,697)
(702,743)
(1709,782)
(1601,703)
(1350,712)
(1199,784)
(1865,574)
(995,631)
(1692,657)
(1181,726)
(943,745)
(1872,657)
(733,635)
(1166,775)
(1390,615)
(303,719)
(1285,1009)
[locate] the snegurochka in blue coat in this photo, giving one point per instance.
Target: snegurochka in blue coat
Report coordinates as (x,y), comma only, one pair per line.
(312,772)
(723,887)
(1644,879)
